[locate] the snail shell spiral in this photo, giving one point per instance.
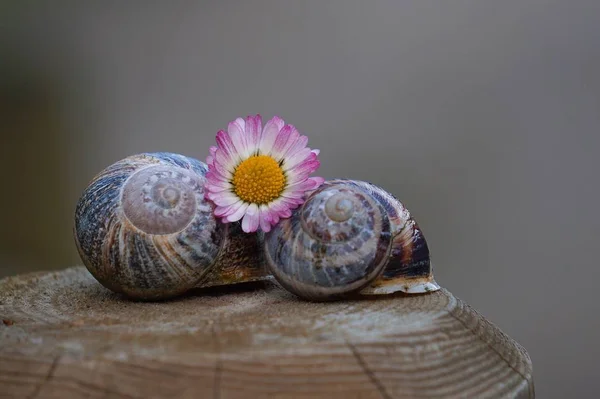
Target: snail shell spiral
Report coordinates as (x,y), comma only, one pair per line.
(349,236)
(144,229)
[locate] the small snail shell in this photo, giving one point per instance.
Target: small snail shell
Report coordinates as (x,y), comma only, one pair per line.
(348,237)
(144,229)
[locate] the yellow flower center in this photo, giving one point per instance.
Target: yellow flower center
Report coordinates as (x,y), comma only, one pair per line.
(259,180)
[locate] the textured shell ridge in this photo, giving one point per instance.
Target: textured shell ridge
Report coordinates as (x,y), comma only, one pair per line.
(320,257)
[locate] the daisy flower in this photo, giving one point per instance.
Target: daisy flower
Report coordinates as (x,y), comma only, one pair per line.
(259,175)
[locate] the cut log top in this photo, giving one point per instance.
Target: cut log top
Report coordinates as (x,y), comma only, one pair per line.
(63,335)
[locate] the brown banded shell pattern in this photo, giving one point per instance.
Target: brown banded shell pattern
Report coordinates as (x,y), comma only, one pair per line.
(349,236)
(408,268)
(336,243)
(144,229)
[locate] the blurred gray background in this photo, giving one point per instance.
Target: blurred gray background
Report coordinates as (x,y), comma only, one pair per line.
(481,116)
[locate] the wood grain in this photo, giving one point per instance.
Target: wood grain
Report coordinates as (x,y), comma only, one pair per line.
(65,336)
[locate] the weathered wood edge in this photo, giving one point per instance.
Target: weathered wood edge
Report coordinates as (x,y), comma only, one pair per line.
(46,354)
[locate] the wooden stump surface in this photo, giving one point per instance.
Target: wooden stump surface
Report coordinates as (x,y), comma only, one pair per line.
(63,335)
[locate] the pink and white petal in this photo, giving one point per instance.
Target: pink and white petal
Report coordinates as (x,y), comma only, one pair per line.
(223,198)
(211,157)
(226,145)
(217,174)
(222,211)
(274,218)
(308,184)
(226,161)
(241,122)
(305,168)
(259,125)
(281,207)
(316,151)
(218,184)
(299,145)
(271,215)
(214,177)
(292,194)
(294,136)
(264,218)
(212,195)
(317,181)
(238,213)
(285,139)
(284,214)
(277,205)
(296,159)
(251,219)
(293,203)
(269,134)
(294,177)
(267,212)
(226,153)
(253,131)
(222,170)
(309,160)
(265,226)
(238,137)
(216,189)
(312,157)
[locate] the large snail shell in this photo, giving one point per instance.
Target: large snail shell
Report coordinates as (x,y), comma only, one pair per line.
(349,236)
(144,229)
